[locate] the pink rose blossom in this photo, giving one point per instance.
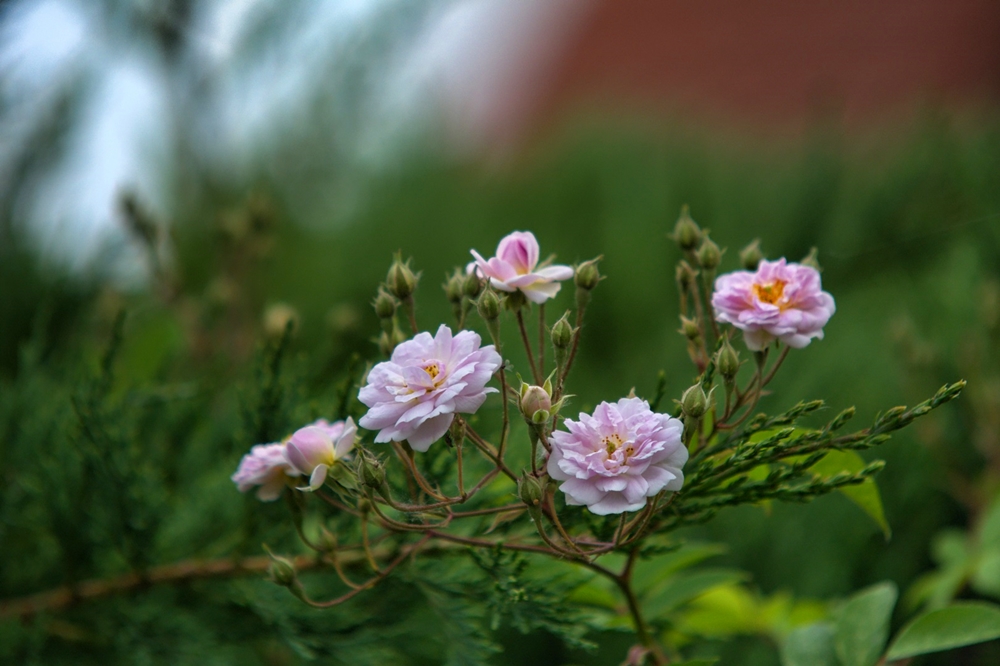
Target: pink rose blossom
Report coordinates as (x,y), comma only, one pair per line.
(612,461)
(314,449)
(265,466)
(415,395)
(516,267)
(779,301)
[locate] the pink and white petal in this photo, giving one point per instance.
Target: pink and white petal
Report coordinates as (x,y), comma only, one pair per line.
(541,291)
(582,490)
(317,478)
(557,272)
(429,432)
(615,503)
(757,340)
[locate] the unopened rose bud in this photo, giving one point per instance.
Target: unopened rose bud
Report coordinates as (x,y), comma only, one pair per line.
(689,328)
(694,402)
(535,404)
(401,281)
(385,304)
(473,285)
(489,306)
(562,333)
(371,471)
(454,287)
(456,432)
(489,309)
(727,361)
(281,570)
(812,259)
(280,318)
(751,255)
(530,489)
(587,276)
(709,254)
(687,234)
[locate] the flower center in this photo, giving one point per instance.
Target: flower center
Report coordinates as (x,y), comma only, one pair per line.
(770,292)
(612,443)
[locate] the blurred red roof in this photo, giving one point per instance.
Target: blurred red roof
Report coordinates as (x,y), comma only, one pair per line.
(773,64)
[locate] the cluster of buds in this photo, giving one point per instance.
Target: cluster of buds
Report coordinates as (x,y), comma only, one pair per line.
(400,283)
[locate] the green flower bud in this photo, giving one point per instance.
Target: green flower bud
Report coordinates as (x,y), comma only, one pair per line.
(530,489)
(281,570)
(562,333)
(535,403)
(385,304)
(515,300)
(454,287)
(751,255)
(371,471)
(456,432)
(709,254)
(401,281)
(812,259)
(489,306)
(694,402)
(689,328)
(472,285)
(587,276)
(727,361)
(687,234)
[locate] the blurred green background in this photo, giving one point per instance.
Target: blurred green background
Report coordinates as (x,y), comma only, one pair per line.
(906,218)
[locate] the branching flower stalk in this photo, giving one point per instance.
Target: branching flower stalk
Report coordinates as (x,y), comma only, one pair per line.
(641,472)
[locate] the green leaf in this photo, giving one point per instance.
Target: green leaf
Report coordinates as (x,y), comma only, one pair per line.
(344,475)
(989,528)
(862,626)
(951,627)
(986,577)
(811,645)
(865,494)
(699,662)
(684,587)
(655,570)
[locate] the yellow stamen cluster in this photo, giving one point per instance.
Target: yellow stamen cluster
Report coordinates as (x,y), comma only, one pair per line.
(770,292)
(612,443)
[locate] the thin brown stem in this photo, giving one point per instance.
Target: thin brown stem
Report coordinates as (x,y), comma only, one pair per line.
(487,449)
(572,354)
(527,345)
(486,512)
(367,545)
(406,456)
(641,629)
(541,339)
(369,583)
